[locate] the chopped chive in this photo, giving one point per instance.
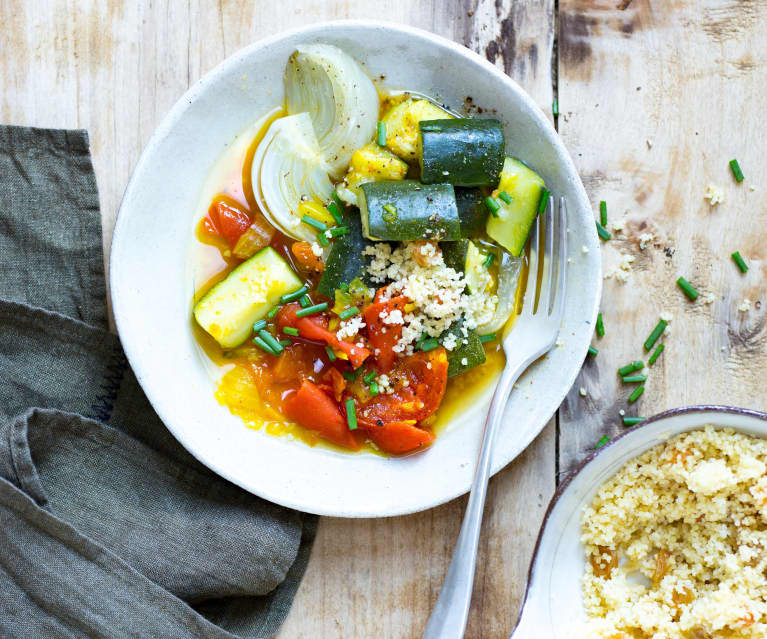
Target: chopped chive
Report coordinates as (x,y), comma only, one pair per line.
(740,261)
(493,205)
(323,239)
(634,379)
(339,203)
(603,232)
(505,197)
(308,219)
(335,212)
(269,339)
(689,289)
(604,439)
(487,338)
(284,342)
(600,326)
(344,286)
(349,312)
(593,351)
(338,231)
(350,376)
(555,108)
(289,330)
(369,377)
(373,389)
(635,394)
(632,421)
(351,415)
(312,310)
(331,355)
(273,312)
(630,368)
(736,172)
(488,260)
(429,344)
(259,325)
(381,134)
(656,333)
(420,342)
(655,355)
(603,213)
(263,345)
(543,201)
(305,302)
(291,297)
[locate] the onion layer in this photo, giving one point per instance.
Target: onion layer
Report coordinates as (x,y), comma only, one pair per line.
(288,169)
(508,279)
(340,98)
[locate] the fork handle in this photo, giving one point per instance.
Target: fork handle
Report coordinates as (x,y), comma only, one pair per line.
(448,619)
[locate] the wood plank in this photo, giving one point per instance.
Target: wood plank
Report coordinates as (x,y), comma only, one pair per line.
(115,67)
(657,98)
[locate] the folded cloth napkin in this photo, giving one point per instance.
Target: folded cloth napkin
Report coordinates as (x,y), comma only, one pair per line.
(108,527)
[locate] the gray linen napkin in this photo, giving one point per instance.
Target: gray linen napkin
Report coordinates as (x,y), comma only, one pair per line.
(108,527)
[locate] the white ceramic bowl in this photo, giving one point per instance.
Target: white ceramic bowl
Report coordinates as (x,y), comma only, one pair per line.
(152,289)
(553,605)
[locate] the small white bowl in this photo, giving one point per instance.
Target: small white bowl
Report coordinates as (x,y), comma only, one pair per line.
(553,605)
(152,290)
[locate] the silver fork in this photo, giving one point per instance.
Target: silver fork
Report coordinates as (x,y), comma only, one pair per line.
(533,333)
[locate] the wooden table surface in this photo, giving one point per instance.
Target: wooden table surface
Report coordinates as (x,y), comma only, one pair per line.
(656,97)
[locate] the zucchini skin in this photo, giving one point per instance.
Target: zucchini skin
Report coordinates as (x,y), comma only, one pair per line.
(454,254)
(421,211)
(462,151)
(473,351)
(472,210)
(345,261)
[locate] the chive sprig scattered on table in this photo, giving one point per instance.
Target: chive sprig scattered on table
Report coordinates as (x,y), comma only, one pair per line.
(655,335)
(736,172)
(603,213)
(689,290)
(593,351)
(632,421)
(738,259)
(629,368)
(604,439)
(603,232)
(637,392)
(634,379)
(655,355)
(600,326)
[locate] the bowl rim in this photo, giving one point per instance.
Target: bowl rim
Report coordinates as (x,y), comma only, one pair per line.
(163,129)
(702,409)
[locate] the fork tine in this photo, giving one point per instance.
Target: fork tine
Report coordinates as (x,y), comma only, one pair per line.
(532,272)
(558,303)
(547,276)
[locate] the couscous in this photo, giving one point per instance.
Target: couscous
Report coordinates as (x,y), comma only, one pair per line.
(675,542)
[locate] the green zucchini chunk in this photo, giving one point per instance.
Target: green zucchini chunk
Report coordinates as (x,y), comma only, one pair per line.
(454,254)
(462,152)
(229,309)
(472,210)
(463,356)
(514,219)
(408,210)
(345,261)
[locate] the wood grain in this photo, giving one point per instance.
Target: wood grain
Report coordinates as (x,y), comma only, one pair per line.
(116,67)
(657,98)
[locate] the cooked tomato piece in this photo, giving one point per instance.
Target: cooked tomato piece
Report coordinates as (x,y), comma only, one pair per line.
(398,438)
(227,220)
(426,378)
(296,363)
(305,257)
(335,381)
(384,337)
(315,328)
(315,410)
